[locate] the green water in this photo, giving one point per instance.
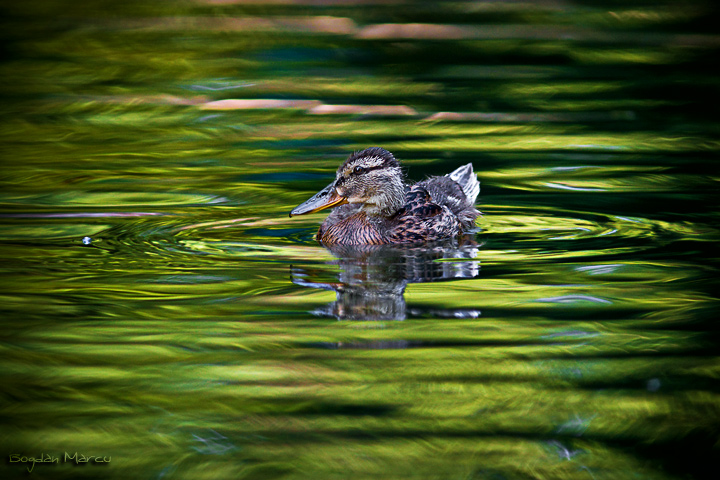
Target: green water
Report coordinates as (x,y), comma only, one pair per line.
(159,308)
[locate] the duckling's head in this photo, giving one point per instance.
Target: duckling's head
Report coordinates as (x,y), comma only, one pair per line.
(372,178)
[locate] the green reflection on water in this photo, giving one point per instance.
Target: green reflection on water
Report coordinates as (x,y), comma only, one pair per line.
(183,340)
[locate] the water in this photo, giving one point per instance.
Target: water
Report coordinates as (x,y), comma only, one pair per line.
(160,309)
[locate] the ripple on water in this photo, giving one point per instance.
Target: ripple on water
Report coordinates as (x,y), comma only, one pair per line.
(512,233)
(544,233)
(118,199)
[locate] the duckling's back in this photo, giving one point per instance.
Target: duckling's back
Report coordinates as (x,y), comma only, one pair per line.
(458,191)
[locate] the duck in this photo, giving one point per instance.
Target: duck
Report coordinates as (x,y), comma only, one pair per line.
(375,205)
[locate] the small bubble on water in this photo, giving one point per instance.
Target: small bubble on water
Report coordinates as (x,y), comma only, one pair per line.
(87,240)
(653,385)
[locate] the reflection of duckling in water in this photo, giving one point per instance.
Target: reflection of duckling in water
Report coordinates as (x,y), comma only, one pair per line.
(370,284)
(375,206)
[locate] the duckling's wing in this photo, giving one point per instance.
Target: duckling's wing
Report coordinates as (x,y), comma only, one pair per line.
(466,178)
(444,191)
(422,219)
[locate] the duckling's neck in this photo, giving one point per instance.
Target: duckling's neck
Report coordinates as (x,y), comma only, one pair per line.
(386,201)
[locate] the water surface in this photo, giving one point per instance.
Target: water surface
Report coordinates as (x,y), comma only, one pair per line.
(161,309)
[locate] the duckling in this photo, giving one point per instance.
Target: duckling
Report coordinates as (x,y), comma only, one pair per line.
(375,206)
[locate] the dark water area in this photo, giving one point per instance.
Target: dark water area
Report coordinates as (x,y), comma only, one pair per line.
(161,311)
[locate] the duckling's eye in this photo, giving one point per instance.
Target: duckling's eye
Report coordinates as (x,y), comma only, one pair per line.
(358,170)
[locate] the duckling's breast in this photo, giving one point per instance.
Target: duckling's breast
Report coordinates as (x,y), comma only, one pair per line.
(353,230)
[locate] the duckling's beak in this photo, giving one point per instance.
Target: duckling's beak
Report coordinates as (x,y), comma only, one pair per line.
(325,198)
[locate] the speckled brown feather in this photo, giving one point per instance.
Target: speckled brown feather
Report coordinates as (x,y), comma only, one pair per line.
(422,220)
